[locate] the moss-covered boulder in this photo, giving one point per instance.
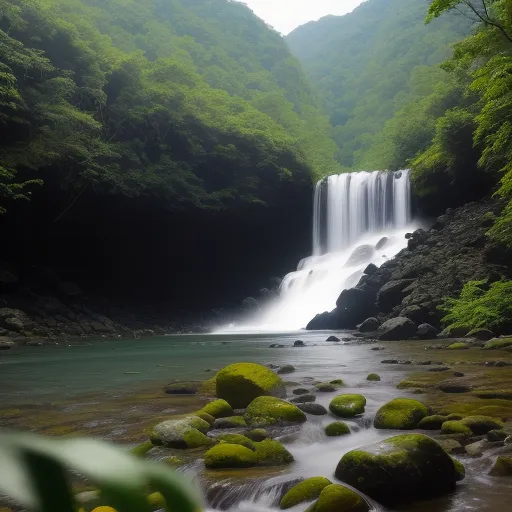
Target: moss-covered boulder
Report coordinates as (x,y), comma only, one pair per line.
(498,343)
(455,427)
(458,346)
(400,414)
(205,416)
(373,377)
(230,422)
(142,449)
(257,434)
(480,425)
(267,410)
(460,470)
(495,436)
(237,439)
(433,422)
(307,490)
(156,501)
(338,498)
(173,461)
(272,453)
(218,409)
(337,382)
(347,406)
(502,466)
(241,383)
(400,469)
(182,433)
(326,387)
(229,456)
(337,428)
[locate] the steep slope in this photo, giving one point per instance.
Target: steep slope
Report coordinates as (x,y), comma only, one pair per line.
(371,62)
(163,145)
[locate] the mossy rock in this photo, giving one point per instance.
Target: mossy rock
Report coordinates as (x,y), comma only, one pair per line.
(303,399)
(373,377)
(257,434)
(400,414)
(156,501)
(454,417)
(142,449)
(267,410)
(500,394)
(326,387)
(237,439)
(458,346)
(241,383)
(455,331)
(460,470)
(502,466)
(218,409)
(205,416)
(338,498)
(495,436)
(337,428)
(307,490)
(208,387)
(433,422)
(104,508)
(230,422)
(347,406)
(455,427)
(337,382)
(174,461)
(414,464)
(300,391)
(272,453)
(498,343)
(480,425)
(229,456)
(182,433)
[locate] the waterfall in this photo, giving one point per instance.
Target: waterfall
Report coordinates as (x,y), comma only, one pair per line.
(358,218)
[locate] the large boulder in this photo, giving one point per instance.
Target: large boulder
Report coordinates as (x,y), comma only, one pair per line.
(480,334)
(267,410)
(15,320)
(347,406)
(395,329)
(369,325)
(400,469)
(426,332)
(391,294)
(400,414)
(218,409)
(360,255)
(182,433)
(338,498)
(313,409)
(240,383)
(306,490)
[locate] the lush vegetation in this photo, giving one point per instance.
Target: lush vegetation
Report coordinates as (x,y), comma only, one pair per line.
(481,305)
(195,102)
(372,64)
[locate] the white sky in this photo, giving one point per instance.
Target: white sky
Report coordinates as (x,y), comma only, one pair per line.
(285,15)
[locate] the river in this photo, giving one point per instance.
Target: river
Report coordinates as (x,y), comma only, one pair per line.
(114,388)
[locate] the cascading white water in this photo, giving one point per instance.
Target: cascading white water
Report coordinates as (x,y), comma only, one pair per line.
(358,218)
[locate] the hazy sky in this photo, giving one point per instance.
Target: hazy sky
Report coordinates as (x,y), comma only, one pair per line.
(285,15)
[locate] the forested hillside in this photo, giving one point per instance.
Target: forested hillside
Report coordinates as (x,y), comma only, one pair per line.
(117,113)
(370,64)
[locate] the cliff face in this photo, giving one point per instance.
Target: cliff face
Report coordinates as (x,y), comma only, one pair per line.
(435,265)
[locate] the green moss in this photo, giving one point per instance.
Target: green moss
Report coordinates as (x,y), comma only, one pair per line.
(258,434)
(241,383)
(337,428)
(400,414)
(337,498)
(347,406)
(205,416)
(458,346)
(460,470)
(237,439)
(227,456)
(502,394)
(502,466)
(272,453)
(432,422)
(218,409)
(454,417)
(307,490)
(326,387)
(413,463)
(233,422)
(373,377)
(337,382)
(142,449)
(498,343)
(455,427)
(480,425)
(174,461)
(209,387)
(196,439)
(480,305)
(266,410)
(182,433)
(156,501)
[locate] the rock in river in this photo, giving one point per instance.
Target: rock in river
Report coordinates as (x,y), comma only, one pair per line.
(400,414)
(400,469)
(267,410)
(396,329)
